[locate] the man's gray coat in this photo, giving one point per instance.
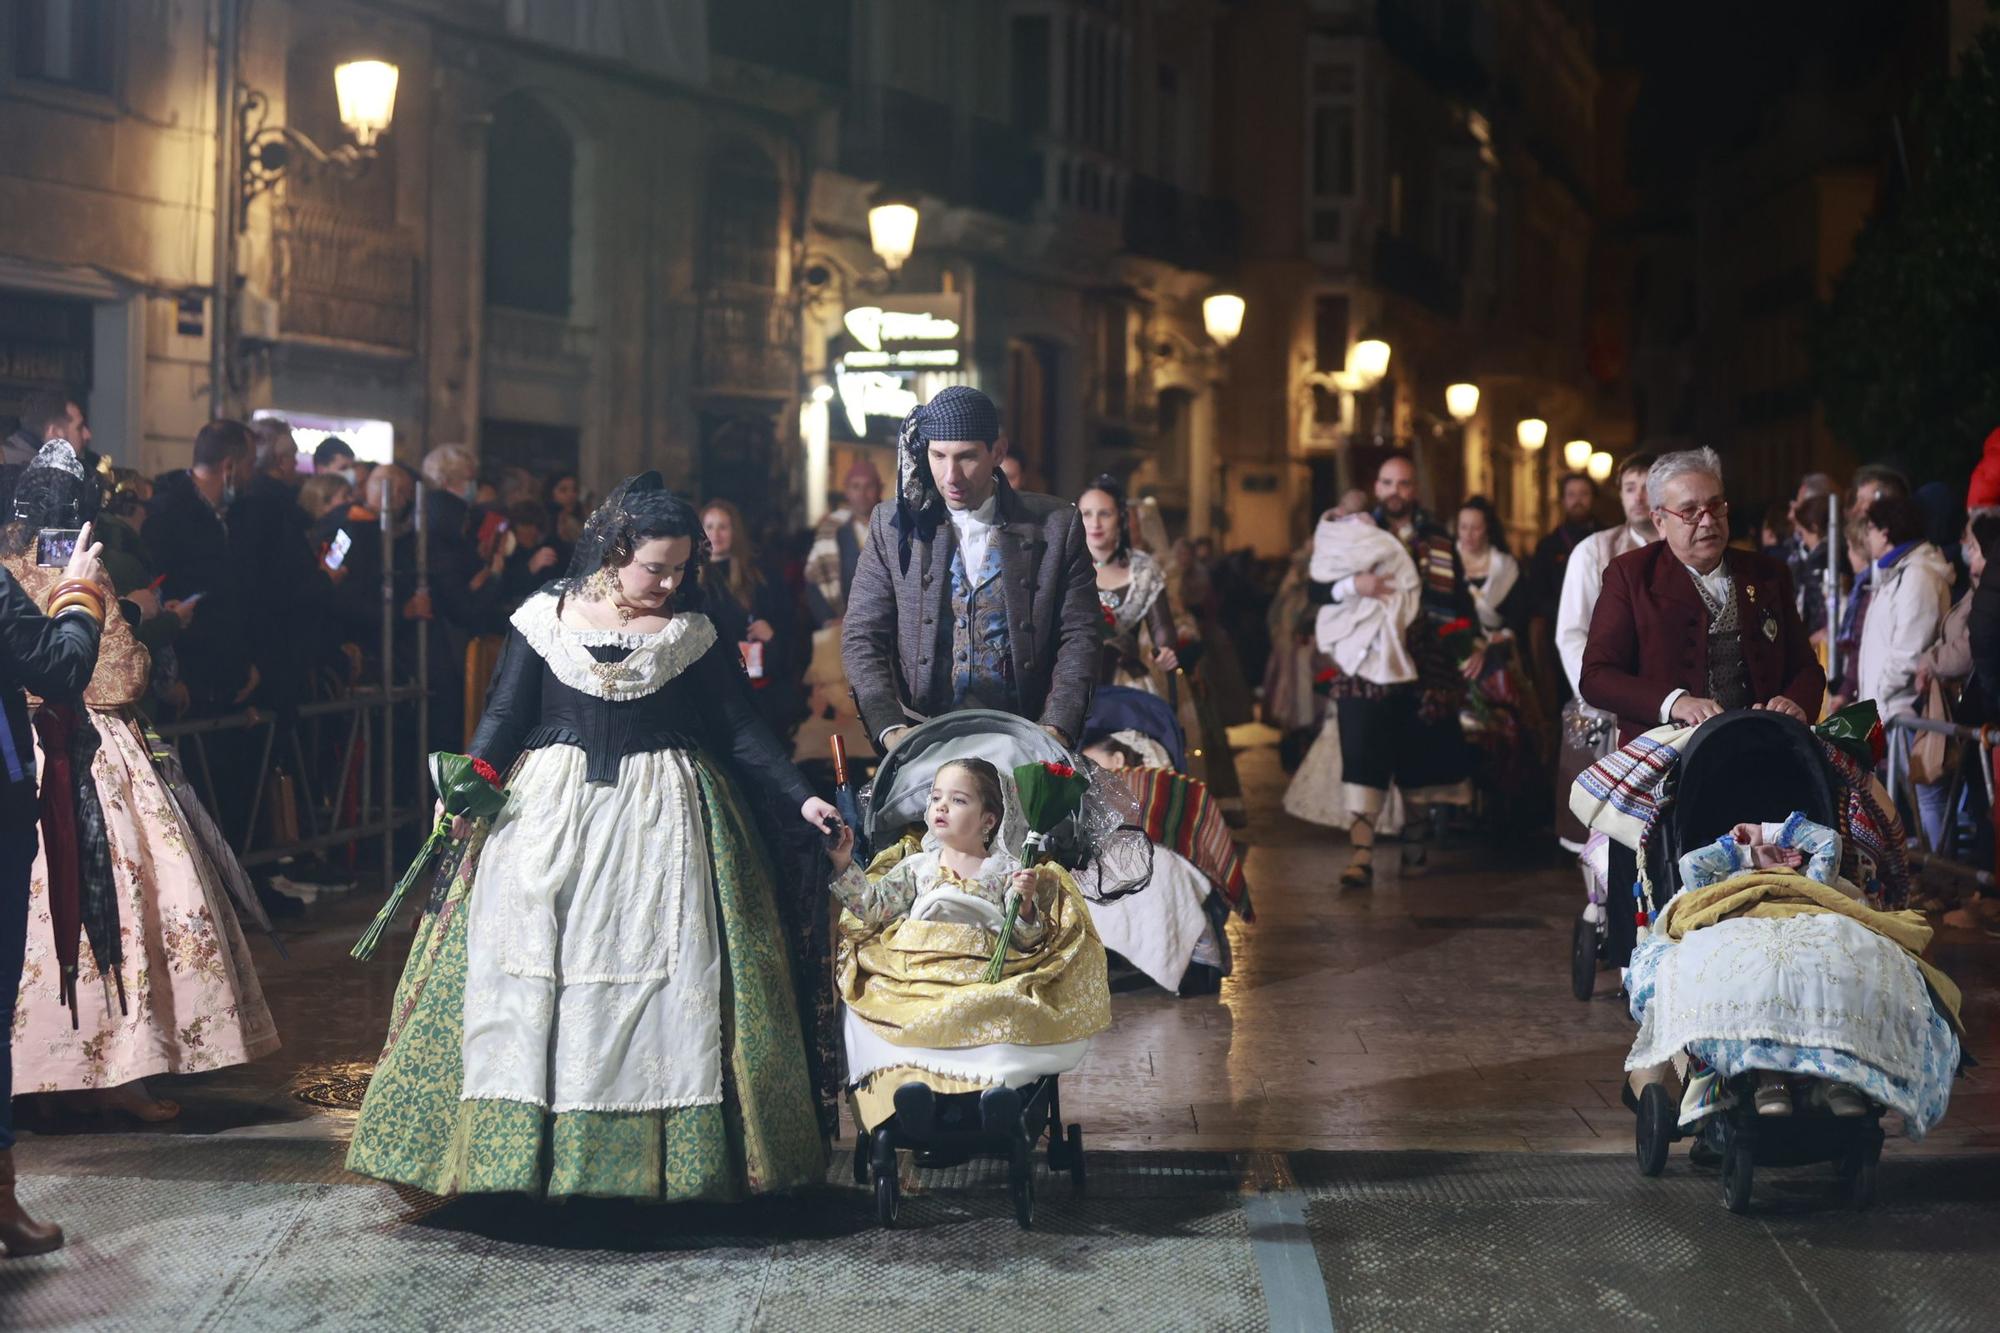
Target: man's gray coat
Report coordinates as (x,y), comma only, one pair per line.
(897,640)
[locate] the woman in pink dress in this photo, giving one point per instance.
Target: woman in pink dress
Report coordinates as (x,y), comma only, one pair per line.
(184,996)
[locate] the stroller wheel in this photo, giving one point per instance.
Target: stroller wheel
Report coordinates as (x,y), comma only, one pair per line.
(1021,1181)
(861,1157)
(1858,1170)
(1737,1168)
(1583,958)
(887,1205)
(1654,1130)
(1075,1155)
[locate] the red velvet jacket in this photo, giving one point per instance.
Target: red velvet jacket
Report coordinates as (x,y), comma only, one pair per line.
(1649,637)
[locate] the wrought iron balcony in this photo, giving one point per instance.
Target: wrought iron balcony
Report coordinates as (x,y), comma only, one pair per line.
(749,344)
(1165,222)
(917,144)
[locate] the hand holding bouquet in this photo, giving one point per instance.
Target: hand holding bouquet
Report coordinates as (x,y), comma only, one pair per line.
(1050,794)
(468,788)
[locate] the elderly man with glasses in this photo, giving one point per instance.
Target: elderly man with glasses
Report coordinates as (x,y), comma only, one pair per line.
(1688,628)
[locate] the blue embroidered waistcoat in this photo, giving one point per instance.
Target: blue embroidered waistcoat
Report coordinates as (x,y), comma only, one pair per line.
(982,660)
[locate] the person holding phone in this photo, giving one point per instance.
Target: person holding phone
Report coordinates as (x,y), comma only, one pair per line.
(52,656)
(173,990)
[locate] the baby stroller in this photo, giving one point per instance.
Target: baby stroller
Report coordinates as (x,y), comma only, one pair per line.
(1738,768)
(1750,764)
(1011,1118)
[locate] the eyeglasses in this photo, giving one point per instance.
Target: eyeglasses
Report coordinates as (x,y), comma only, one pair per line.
(1714,511)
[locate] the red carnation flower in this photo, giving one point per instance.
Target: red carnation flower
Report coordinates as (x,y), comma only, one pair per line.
(1327,675)
(1109,619)
(1061,770)
(485,770)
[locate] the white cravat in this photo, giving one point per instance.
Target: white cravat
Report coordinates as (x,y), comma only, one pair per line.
(1716,589)
(975,533)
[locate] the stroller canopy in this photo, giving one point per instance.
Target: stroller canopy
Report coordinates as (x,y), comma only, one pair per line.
(1742,767)
(1116,708)
(1105,853)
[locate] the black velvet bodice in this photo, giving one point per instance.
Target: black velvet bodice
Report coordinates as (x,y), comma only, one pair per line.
(705,707)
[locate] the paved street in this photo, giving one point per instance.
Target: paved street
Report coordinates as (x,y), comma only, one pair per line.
(1388,1119)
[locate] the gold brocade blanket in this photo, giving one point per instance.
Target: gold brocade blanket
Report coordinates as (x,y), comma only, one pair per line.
(918,983)
(1781,893)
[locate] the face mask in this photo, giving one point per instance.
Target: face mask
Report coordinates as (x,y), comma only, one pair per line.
(470,492)
(228,493)
(353,475)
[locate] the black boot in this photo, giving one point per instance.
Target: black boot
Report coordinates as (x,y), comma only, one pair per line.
(22,1235)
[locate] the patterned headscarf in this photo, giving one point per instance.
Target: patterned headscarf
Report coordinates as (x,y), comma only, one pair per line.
(959,412)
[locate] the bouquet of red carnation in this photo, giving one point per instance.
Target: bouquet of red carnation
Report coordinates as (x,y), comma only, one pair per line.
(467,787)
(1107,623)
(1049,794)
(1460,637)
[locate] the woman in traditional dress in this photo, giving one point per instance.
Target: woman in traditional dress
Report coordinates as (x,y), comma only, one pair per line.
(167,986)
(1132,589)
(598,1000)
(1506,715)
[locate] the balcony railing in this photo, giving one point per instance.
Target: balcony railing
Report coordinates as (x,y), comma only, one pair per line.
(346,280)
(918,144)
(528,338)
(1165,222)
(1410,270)
(749,345)
(810,40)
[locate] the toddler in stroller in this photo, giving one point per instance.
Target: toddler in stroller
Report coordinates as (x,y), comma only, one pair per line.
(1790,1011)
(940,1059)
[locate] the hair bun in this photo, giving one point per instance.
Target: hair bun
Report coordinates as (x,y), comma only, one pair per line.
(1110,485)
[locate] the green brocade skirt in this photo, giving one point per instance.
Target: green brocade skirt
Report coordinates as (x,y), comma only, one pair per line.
(764,1136)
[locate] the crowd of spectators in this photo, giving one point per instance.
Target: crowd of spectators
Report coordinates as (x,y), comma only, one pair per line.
(255,577)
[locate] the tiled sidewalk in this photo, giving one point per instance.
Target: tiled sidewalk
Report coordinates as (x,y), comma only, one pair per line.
(1377,1124)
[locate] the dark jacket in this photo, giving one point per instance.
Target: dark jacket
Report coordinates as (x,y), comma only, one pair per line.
(52,659)
(1545,572)
(775,695)
(1984,629)
(191,547)
(267,536)
(897,617)
(1649,637)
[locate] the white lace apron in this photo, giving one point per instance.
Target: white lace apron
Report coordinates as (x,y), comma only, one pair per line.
(593,969)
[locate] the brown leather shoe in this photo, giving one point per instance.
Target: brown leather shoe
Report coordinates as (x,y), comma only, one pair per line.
(20,1234)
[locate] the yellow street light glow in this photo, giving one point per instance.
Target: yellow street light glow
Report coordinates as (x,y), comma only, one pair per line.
(1462,401)
(366,91)
(1368,360)
(892,232)
(1222,316)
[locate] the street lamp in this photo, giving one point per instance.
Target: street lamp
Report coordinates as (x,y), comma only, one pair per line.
(1462,401)
(366,92)
(892,232)
(1576,455)
(1368,361)
(1600,466)
(1532,432)
(1222,316)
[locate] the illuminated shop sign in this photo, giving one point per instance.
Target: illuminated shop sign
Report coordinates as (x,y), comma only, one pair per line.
(906,332)
(872,393)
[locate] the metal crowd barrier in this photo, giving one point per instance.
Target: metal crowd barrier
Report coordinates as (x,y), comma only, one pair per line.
(1902,732)
(361,802)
